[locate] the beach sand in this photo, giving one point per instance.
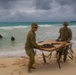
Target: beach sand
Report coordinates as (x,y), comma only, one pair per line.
(18,66)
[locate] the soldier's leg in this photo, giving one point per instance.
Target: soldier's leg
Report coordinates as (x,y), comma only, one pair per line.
(31,61)
(65,54)
(59,54)
(31,55)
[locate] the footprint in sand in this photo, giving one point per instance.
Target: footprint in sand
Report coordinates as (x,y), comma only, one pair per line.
(19,72)
(15,70)
(3,66)
(11,73)
(20,62)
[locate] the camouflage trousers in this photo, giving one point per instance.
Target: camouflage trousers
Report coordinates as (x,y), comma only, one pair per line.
(64,52)
(31,55)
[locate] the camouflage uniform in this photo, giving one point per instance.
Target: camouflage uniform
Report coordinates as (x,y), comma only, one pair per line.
(29,47)
(65,36)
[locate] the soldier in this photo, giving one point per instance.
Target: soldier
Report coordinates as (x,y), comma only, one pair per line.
(65,36)
(1,36)
(12,38)
(30,45)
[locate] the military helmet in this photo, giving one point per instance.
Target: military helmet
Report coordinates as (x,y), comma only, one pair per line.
(34,24)
(65,23)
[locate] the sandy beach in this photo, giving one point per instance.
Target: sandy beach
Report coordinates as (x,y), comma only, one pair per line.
(18,66)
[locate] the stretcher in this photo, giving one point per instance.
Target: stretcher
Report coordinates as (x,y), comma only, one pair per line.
(56,46)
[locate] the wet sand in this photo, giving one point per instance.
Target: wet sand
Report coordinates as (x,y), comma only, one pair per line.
(18,66)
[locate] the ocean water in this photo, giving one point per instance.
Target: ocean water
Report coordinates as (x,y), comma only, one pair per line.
(46,31)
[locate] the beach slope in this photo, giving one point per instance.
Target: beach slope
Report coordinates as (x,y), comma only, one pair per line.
(18,66)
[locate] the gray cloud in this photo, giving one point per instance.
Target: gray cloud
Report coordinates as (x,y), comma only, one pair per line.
(66,2)
(37,10)
(43,4)
(6,4)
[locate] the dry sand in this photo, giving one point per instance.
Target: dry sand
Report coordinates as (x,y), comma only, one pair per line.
(18,66)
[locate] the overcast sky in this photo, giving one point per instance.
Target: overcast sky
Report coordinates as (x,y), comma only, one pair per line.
(37,10)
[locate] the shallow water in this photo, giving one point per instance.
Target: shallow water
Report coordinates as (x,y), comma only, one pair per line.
(45,32)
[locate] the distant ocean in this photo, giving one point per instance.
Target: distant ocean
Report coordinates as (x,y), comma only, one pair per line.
(46,31)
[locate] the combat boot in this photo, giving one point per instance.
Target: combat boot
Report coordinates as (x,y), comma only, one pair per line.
(29,70)
(33,68)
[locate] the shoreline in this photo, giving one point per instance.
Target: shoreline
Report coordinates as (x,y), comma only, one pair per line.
(38,52)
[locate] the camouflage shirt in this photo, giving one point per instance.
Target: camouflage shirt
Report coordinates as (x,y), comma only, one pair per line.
(65,34)
(31,41)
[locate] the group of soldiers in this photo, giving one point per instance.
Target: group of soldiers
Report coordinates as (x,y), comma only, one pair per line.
(65,36)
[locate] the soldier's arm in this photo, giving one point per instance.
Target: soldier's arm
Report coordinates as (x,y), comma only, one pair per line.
(33,41)
(70,34)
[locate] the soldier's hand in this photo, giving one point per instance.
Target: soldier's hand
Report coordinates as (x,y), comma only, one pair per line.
(40,48)
(57,39)
(68,41)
